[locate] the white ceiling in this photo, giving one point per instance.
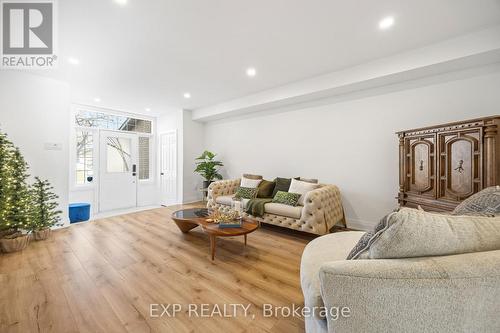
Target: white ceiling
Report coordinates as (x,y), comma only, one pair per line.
(147,53)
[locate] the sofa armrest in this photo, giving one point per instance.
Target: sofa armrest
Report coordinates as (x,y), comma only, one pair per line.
(221,187)
(458,293)
(322,209)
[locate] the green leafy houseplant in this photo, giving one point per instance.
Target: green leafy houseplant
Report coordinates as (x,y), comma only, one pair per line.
(44,213)
(208,167)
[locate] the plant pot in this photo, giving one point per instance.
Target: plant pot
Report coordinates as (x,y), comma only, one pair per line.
(7,232)
(41,234)
(206,183)
(14,243)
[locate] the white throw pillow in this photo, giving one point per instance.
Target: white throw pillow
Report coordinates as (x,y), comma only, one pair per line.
(251,183)
(301,187)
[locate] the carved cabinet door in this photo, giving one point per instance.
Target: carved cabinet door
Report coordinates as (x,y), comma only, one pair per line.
(420,164)
(460,164)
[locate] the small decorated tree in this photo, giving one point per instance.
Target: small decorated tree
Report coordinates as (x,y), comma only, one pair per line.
(14,198)
(44,213)
(19,212)
(6,226)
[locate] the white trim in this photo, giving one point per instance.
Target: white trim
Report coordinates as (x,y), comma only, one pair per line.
(191,202)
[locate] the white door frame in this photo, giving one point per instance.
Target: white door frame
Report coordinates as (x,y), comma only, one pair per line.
(161,168)
(103,169)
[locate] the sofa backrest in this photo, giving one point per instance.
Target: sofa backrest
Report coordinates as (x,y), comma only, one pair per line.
(456,293)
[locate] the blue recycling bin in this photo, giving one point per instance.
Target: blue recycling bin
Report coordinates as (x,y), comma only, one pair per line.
(79,212)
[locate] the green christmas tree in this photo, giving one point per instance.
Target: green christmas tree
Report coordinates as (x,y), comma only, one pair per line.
(18,214)
(6,181)
(44,213)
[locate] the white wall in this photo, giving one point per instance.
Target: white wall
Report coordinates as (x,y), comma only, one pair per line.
(34,110)
(193,146)
(349,143)
(189,146)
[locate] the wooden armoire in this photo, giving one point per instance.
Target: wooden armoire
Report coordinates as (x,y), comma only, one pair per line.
(439,166)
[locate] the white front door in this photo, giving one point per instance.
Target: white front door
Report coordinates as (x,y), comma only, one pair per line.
(118,170)
(168,168)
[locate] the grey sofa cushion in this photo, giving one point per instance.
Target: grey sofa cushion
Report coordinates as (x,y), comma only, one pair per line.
(445,294)
(485,202)
(414,233)
(324,249)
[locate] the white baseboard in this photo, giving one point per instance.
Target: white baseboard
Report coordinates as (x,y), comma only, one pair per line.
(360,224)
(190,201)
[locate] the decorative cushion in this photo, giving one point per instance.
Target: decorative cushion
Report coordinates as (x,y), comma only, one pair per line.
(413,233)
(224,200)
(283,210)
(266,189)
(301,187)
(227,200)
(312,180)
(246,193)
(286,198)
(483,203)
(250,183)
(282,184)
(250,176)
(367,240)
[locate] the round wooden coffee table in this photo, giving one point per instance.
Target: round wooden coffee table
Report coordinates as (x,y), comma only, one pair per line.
(187,219)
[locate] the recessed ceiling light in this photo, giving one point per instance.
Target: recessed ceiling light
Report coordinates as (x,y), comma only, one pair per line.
(187,95)
(147,109)
(251,72)
(97,99)
(121,2)
(73,61)
(386,23)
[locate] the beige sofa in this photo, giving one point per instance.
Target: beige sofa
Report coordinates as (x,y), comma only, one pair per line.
(321,211)
(454,293)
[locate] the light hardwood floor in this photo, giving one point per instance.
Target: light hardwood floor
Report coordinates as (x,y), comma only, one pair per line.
(103,275)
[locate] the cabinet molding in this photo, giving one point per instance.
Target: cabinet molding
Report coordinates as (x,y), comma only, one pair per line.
(441,165)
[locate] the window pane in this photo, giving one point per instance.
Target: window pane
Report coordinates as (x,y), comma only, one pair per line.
(118,154)
(113,122)
(143,158)
(143,126)
(84,157)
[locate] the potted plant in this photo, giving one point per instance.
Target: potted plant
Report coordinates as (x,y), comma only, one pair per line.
(44,213)
(14,198)
(208,167)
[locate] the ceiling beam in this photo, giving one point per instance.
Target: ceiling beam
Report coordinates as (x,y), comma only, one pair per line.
(464,52)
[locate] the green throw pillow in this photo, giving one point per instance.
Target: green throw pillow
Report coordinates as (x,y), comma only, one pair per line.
(246,193)
(287,198)
(282,184)
(266,189)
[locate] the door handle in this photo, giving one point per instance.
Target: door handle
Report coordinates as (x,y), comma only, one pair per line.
(134,170)
(162,173)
